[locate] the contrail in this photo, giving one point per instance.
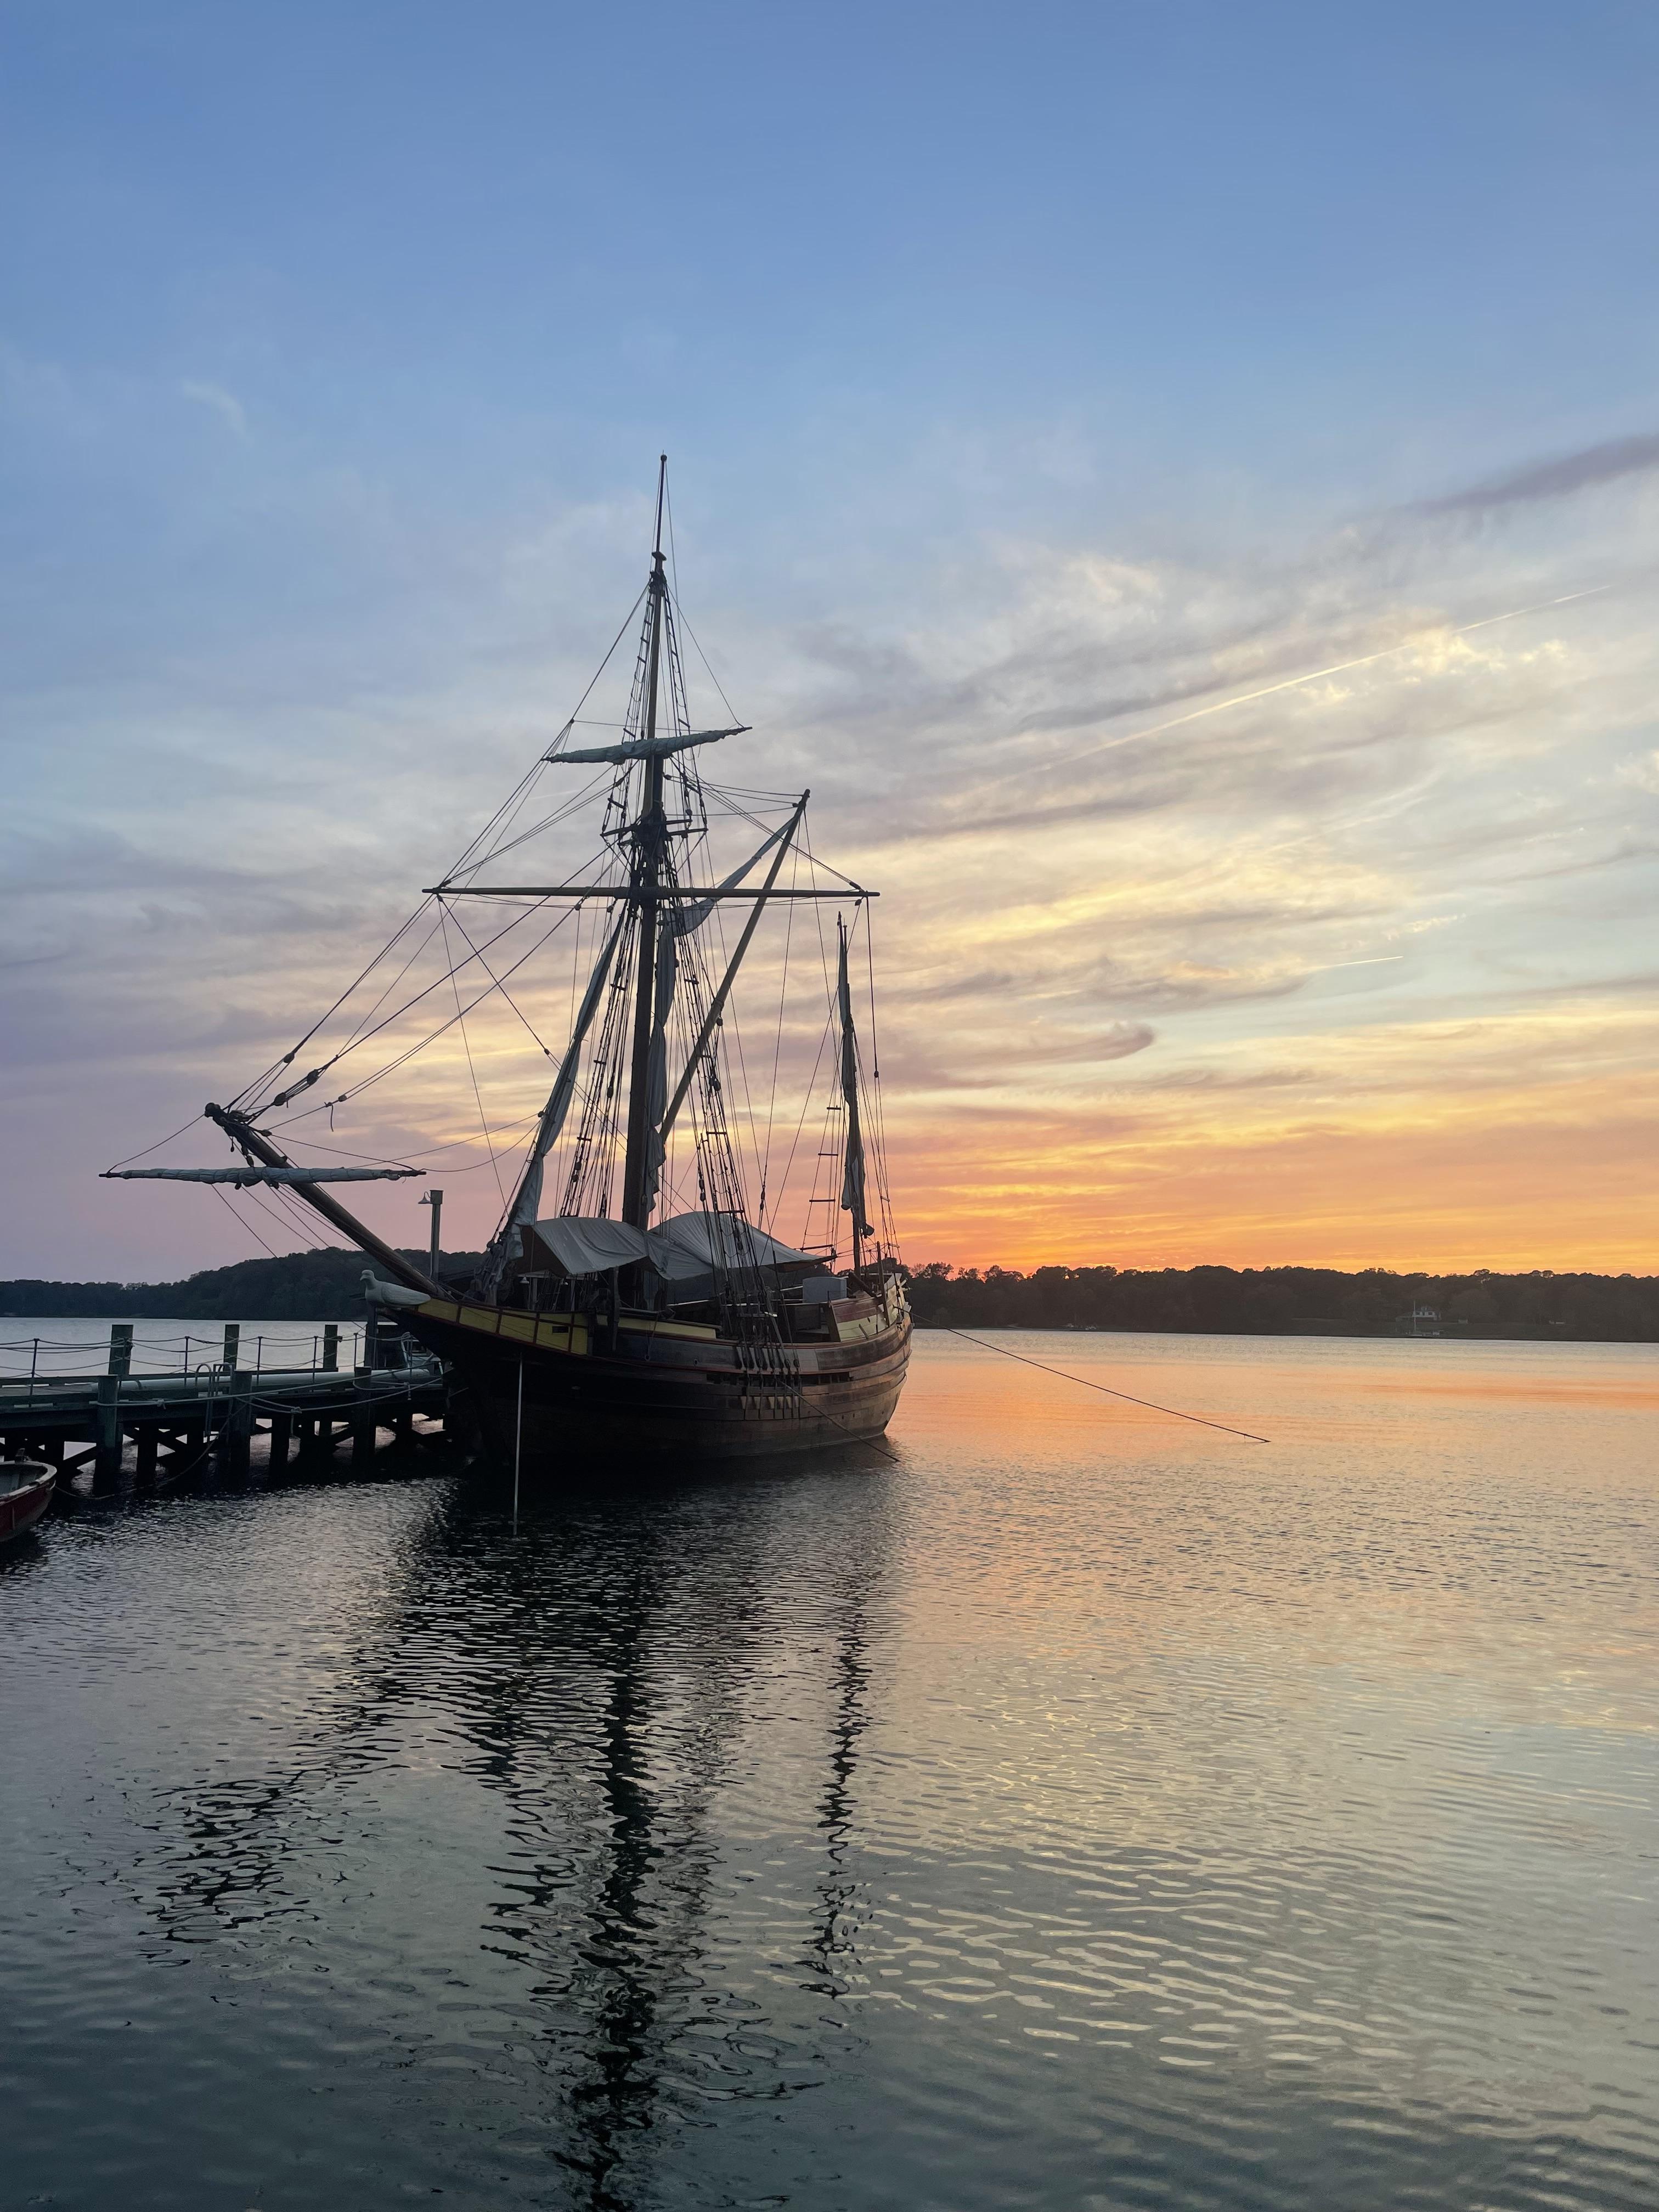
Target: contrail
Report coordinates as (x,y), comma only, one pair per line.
(1290,683)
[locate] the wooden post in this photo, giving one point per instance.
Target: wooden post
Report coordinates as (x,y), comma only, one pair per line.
(332,1348)
(282,1428)
(234,1436)
(362,1436)
(148,1438)
(120,1347)
(107,1432)
(232,1343)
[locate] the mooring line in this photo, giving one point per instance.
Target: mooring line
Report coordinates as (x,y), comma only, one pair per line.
(1105,1388)
(880,1443)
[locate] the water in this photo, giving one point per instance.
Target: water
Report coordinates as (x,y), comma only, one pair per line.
(1076,1808)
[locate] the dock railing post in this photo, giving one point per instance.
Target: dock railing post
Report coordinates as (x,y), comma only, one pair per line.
(233,1344)
(120,1347)
(330,1347)
(237,1433)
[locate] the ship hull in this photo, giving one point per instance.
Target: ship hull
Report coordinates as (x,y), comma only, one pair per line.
(660,1393)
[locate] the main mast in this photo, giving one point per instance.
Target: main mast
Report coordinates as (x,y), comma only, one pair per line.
(650,838)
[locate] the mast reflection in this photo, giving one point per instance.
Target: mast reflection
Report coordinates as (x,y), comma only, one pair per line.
(612,1674)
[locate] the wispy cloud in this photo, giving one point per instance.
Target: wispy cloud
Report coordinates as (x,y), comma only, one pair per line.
(1224,904)
(223,403)
(1554,480)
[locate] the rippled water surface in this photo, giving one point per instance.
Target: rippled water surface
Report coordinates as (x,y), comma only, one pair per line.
(1072,1808)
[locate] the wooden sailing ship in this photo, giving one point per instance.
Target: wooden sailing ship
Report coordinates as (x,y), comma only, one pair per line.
(617,1323)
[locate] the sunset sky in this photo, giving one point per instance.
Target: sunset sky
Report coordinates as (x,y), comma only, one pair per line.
(1180,483)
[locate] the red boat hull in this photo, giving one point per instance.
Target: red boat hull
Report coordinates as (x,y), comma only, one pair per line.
(21,1508)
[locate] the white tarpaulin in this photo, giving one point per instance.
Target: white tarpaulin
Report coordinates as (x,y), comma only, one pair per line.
(697,1243)
(586,1244)
(686,1245)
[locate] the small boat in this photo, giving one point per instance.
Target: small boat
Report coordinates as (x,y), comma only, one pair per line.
(636,1301)
(26,1488)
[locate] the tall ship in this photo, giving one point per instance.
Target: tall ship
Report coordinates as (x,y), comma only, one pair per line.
(638,1301)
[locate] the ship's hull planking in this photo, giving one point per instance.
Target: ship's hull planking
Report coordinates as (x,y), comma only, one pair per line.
(558,1390)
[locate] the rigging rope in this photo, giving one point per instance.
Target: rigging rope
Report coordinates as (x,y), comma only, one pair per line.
(1105,1388)
(160,1142)
(483,1119)
(237,1217)
(499,986)
(354,1090)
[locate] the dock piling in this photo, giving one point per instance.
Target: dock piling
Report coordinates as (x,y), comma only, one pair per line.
(106,1433)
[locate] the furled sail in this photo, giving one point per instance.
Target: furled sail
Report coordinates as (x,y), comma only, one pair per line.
(243,1177)
(852,1182)
(633,749)
(668,970)
(528,1196)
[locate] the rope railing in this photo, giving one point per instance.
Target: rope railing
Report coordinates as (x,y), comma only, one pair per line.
(56,1363)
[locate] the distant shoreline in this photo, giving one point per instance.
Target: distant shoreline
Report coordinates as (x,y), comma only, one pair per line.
(1542,1306)
(1487,1333)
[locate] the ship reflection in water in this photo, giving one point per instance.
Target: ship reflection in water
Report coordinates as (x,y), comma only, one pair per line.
(1070,1810)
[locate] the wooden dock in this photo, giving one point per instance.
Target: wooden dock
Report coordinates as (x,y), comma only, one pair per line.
(208,1415)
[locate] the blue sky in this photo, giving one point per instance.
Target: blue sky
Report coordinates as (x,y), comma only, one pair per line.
(1012,361)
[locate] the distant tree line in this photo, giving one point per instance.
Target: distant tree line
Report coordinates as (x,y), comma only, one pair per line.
(1288,1301)
(322,1286)
(327,1285)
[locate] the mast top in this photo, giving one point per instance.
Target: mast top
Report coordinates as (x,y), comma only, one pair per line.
(662,485)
